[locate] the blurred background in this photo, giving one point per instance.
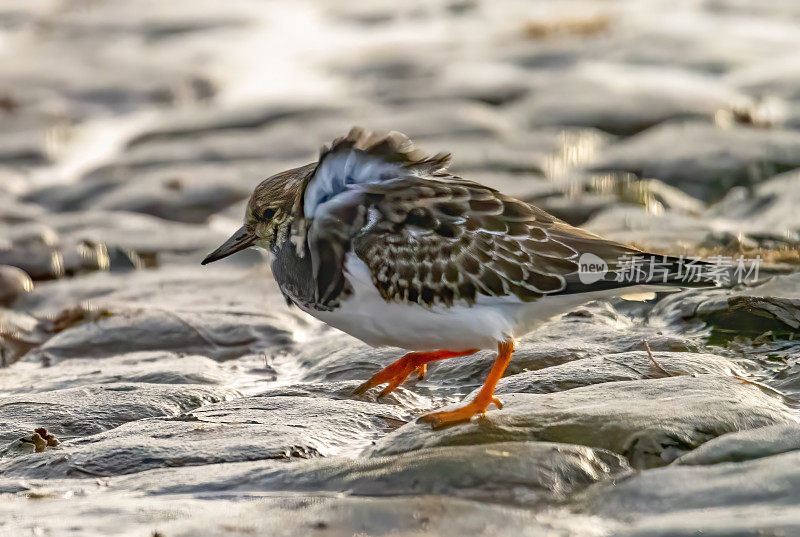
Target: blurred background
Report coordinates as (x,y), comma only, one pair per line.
(662,123)
(132,133)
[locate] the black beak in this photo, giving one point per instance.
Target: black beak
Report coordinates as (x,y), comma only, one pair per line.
(239,241)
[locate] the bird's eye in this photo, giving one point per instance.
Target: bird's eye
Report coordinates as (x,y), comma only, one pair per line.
(268,214)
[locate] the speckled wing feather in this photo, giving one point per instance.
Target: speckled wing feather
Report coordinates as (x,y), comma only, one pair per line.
(429,237)
(441,239)
(335,201)
(438,240)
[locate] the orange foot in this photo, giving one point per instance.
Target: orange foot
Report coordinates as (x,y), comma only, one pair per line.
(463,414)
(485,397)
(396,373)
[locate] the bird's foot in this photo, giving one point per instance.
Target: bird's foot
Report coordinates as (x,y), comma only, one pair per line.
(448,418)
(397,372)
(392,375)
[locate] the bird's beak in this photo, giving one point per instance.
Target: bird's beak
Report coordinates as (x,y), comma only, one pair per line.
(238,241)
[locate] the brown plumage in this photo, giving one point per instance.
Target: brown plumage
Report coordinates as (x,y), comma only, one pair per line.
(430,237)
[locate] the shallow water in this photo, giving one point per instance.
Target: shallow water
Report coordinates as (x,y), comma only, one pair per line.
(191,400)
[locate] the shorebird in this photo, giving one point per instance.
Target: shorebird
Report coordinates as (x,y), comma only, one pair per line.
(379,240)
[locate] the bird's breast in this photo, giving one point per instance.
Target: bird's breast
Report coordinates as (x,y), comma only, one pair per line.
(293,274)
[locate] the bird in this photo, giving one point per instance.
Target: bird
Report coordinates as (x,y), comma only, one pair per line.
(379,240)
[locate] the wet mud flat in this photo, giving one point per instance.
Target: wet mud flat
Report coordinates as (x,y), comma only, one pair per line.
(187,400)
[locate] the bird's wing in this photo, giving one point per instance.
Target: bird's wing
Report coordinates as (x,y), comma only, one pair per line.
(360,158)
(440,238)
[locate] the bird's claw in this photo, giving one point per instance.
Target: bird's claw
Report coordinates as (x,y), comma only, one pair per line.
(448,418)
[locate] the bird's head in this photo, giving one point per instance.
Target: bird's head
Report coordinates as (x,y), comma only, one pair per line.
(275,203)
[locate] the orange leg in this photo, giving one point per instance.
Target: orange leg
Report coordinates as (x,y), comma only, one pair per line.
(485,396)
(397,372)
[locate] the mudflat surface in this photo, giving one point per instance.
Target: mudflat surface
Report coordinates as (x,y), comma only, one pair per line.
(192,401)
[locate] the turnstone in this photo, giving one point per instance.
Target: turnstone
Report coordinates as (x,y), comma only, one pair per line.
(379,240)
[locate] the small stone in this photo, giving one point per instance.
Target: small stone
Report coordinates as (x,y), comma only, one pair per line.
(39,442)
(13,283)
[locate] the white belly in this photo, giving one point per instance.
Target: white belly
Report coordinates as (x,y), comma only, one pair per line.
(366,316)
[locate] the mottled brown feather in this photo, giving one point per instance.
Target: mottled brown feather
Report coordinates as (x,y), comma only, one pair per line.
(429,237)
(500,246)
